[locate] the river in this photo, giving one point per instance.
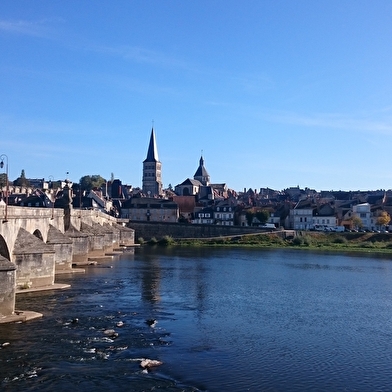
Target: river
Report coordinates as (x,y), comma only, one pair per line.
(226,320)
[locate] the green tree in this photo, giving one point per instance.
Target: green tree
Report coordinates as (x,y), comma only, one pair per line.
(3,180)
(87,183)
(22,180)
(249,217)
(262,216)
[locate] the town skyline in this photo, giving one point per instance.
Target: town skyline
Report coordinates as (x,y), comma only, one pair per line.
(275,94)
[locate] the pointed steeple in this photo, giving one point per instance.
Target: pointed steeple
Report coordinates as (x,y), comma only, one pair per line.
(152,170)
(152,153)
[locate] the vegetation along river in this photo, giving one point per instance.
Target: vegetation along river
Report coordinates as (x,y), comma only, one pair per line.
(226,320)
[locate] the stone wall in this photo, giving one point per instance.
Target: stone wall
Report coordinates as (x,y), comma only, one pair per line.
(147,230)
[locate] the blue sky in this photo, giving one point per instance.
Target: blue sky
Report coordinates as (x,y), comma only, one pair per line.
(274,93)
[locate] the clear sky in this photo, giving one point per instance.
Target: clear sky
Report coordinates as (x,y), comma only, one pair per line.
(273,93)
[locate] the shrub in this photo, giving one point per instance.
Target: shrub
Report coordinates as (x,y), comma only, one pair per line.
(302,241)
(340,240)
(166,240)
(153,241)
(297,241)
(367,245)
(140,240)
(307,240)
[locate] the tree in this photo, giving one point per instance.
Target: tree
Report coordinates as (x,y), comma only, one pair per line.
(3,180)
(22,180)
(87,183)
(262,216)
(383,218)
(356,221)
(249,217)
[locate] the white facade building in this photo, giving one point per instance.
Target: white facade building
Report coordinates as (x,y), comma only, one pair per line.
(363,212)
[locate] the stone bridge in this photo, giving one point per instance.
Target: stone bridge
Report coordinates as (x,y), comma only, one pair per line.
(37,243)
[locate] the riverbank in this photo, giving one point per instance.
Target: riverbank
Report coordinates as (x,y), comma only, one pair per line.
(360,242)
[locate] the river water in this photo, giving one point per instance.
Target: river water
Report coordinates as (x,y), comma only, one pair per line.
(226,320)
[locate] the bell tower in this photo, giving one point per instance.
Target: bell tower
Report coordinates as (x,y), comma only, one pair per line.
(202,174)
(152,175)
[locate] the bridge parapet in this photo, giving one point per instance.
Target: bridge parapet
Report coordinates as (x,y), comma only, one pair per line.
(90,217)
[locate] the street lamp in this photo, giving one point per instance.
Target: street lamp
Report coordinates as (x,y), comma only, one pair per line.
(51,179)
(2,157)
(53,196)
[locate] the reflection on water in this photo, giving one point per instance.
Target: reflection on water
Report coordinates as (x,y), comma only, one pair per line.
(227,319)
(151,279)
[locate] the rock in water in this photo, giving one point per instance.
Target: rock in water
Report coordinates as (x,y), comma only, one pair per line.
(111,333)
(149,363)
(151,322)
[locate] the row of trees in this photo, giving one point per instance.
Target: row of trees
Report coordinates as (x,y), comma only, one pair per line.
(383,219)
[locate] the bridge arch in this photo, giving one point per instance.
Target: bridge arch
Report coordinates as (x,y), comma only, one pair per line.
(4,251)
(37,233)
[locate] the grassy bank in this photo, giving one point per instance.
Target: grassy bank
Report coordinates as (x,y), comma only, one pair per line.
(364,242)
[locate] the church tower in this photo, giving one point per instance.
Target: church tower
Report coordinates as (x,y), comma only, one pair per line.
(202,174)
(152,177)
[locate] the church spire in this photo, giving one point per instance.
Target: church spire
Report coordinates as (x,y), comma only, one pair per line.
(152,170)
(152,153)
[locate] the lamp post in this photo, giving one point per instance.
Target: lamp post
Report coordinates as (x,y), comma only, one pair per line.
(51,179)
(53,196)
(2,157)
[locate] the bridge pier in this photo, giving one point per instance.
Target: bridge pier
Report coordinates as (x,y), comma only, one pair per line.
(126,236)
(63,248)
(34,261)
(96,240)
(80,246)
(7,284)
